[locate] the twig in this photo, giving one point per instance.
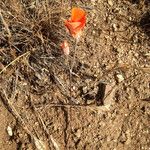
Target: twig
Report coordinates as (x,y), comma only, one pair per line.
(5,24)
(54,143)
(8,104)
(27,53)
(15,87)
(37,114)
(15,113)
(90,106)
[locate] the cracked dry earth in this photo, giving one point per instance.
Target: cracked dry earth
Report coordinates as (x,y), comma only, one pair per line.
(109,108)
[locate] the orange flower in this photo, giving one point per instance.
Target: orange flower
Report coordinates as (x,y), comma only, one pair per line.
(77,22)
(65,47)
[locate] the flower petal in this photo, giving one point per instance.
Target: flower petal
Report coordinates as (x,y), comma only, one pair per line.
(77,22)
(72,25)
(65,47)
(77,14)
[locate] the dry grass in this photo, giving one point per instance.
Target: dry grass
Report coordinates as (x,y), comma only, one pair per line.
(34,27)
(32,31)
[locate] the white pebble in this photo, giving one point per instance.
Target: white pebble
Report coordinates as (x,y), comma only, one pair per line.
(110,2)
(9,131)
(120,77)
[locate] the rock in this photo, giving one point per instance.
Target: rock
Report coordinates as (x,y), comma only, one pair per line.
(78,133)
(9,131)
(114,27)
(110,2)
(119,77)
(85,89)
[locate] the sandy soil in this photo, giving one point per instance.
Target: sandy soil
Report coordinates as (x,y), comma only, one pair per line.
(103,105)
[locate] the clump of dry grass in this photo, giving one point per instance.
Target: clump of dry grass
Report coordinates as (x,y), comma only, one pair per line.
(30,35)
(29,25)
(32,27)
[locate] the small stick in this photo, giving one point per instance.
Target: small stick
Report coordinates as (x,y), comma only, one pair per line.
(16,114)
(72,105)
(37,113)
(11,108)
(15,86)
(27,53)
(5,24)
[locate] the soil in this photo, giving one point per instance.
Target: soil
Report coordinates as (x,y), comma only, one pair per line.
(104,104)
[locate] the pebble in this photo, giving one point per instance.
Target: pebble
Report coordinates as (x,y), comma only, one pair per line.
(85,89)
(78,133)
(114,27)
(120,77)
(9,131)
(110,2)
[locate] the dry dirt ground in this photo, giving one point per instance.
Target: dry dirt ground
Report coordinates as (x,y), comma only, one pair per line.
(103,105)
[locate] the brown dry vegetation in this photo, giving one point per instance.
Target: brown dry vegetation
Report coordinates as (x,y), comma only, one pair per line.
(44,107)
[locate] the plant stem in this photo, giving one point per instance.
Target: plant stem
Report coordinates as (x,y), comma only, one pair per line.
(72,65)
(74,56)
